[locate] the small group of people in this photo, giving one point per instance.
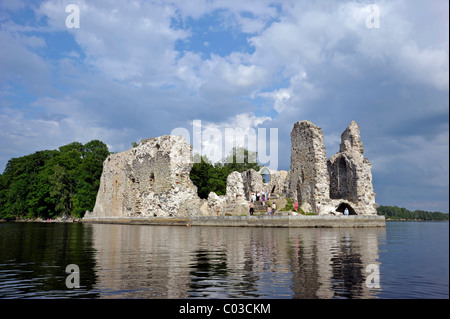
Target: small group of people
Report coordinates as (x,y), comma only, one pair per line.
(262,196)
(271,210)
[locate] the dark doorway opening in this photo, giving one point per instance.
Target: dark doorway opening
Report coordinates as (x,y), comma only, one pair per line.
(342,207)
(299,193)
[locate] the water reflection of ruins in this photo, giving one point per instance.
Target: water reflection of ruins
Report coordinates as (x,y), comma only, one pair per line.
(213,262)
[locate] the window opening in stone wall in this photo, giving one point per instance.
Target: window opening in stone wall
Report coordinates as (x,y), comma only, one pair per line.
(265,175)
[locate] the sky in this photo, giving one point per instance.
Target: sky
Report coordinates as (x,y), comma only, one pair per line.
(122,71)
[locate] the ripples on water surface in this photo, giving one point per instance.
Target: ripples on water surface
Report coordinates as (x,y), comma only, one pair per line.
(137,261)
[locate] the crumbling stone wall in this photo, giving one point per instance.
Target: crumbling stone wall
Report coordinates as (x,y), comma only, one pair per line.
(216,204)
(236,198)
(351,173)
(234,202)
(150,180)
(345,180)
(277,182)
(253,182)
(308,176)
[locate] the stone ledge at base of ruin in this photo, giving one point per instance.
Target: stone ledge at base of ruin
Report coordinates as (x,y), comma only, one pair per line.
(285,221)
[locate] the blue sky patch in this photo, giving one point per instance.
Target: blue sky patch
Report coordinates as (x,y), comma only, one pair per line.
(211,34)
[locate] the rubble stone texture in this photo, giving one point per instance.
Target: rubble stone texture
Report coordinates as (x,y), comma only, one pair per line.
(216,204)
(309,181)
(236,201)
(351,174)
(150,180)
(344,181)
(277,182)
(253,182)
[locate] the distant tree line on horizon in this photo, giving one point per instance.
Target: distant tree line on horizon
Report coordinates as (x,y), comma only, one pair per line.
(65,182)
(398,213)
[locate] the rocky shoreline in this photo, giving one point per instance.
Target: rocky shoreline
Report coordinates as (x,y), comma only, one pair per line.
(42,220)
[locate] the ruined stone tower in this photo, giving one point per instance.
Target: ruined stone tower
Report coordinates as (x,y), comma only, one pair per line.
(344,181)
(308,177)
(350,173)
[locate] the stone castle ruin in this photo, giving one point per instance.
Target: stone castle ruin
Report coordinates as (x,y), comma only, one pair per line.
(149,180)
(152,179)
(329,186)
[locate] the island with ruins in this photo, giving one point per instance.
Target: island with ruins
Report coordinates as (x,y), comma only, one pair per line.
(150,184)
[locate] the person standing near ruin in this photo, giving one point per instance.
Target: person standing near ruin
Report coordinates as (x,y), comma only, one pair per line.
(318,208)
(263,199)
(252,208)
(346,211)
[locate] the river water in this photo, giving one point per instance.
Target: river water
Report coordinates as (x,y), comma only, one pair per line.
(405,260)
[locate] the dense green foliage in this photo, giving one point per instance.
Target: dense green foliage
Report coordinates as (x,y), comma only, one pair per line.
(52,183)
(394,212)
(210,177)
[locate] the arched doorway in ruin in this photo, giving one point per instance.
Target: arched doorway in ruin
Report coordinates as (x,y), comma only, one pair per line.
(265,175)
(342,207)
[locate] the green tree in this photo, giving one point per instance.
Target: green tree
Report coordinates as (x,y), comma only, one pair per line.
(200,174)
(213,178)
(60,193)
(52,183)
(241,159)
(88,177)
(76,147)
(397,213)
(22,192)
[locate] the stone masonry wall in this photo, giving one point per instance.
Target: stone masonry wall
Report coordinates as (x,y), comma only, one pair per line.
(150,180)
(253,182)
(344,181)
(350,173)
(308,176)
